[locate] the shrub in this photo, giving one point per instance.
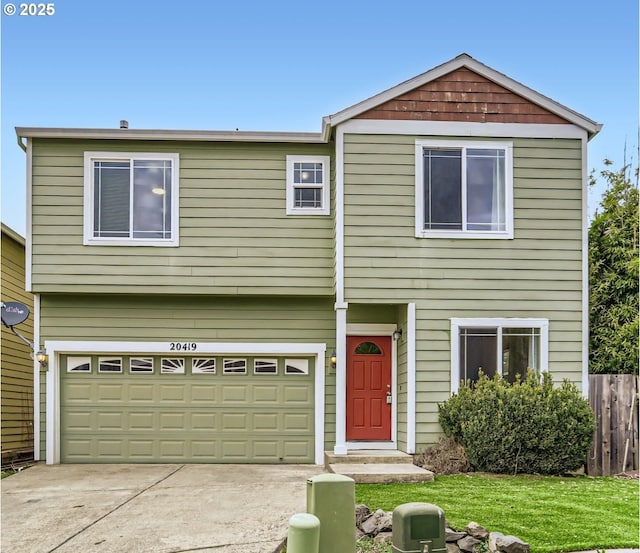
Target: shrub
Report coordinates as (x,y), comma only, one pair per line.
(445,457)
(529,426)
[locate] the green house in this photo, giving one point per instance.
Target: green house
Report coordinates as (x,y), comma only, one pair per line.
(259,297)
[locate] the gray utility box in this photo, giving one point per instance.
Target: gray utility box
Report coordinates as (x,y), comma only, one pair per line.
(418,528)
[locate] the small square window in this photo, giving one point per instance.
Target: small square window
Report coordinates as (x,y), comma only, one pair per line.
(296,366)
(308,185)
(203,365)
(234,366)
(141,365)
(172,365)
(110,364)
(79,364)
(265,366)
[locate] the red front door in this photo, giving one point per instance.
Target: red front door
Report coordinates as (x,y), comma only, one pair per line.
(368,381)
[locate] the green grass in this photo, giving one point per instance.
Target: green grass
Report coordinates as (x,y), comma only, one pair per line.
(552,514)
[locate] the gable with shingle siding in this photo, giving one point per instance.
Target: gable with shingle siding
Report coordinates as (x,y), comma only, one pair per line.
(462,95)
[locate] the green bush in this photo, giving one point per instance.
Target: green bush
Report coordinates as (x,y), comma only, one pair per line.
(529,426)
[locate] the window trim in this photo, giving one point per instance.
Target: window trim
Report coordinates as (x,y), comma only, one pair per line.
(89,238)
(500,323)
(420,231)
(291,186)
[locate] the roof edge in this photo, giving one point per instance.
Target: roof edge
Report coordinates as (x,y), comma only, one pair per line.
(160,134)
(465,60)
(13,234)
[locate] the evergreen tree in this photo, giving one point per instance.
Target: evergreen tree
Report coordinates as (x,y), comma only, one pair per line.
(613,275)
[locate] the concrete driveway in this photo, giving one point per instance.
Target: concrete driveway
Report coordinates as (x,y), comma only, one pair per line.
(151,508)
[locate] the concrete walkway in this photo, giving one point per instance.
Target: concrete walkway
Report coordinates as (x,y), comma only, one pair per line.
(151,508)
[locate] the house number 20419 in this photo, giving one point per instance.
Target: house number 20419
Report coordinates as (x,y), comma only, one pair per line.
(183,346)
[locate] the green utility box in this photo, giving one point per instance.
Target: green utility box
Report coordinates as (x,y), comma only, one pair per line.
(418,528)
(332,498)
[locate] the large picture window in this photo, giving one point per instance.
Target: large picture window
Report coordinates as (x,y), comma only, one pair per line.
(464,190)
(131,199)
(509,347)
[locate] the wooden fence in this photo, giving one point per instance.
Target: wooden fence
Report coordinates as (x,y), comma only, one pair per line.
(614,400)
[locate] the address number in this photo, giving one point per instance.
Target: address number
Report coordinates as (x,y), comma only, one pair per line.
(183,346)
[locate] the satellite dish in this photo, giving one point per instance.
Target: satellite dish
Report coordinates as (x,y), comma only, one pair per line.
(14,313)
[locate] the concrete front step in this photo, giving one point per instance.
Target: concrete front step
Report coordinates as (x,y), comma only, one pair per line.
(367,456)
(381,473)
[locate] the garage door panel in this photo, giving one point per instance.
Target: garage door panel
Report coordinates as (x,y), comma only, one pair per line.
(110,392)
(154,417)
(109,420)
(173,393)
(235,393)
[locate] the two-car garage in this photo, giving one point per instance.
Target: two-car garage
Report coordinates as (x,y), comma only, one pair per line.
(189,406)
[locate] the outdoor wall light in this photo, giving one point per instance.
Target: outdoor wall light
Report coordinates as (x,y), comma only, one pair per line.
(397,334)
(334,359)
(42,358)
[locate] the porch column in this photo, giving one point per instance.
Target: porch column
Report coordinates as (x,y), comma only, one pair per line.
(340,447)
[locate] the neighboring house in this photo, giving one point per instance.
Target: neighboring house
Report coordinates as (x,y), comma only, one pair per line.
(16,373)
(192,285)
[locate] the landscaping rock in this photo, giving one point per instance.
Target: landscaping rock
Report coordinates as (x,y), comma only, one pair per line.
(468,543)
(362,512)
(451,535)
(477,531)
(378,526)
(493,536)
(511,544)
(376,523)
(383,537)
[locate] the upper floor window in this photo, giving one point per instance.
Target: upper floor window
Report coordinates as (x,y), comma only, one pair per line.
(131,198)
(307,185)
(464,189)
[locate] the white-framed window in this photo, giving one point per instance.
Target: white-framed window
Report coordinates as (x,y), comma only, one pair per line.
(79,364)
(140,365)
(109,364)
(505,346)
(131,199)
(172,365)
(464,189)
(308,185)
(203,365)
(296,366)
(265,366)
(234,366)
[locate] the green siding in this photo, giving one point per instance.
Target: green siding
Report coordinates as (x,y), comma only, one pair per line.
(235,238)
(537,274)
(16,381)
(190,318)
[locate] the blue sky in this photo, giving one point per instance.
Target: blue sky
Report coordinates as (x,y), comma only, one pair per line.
(282,65)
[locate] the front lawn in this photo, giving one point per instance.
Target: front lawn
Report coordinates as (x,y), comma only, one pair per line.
(550,513)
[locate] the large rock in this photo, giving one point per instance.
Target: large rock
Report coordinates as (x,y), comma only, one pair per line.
(453,548)
(383,537)
(362,512)
(376,523)
(468,543)
(511,544)
(477,531)
(493,536)
(451,535)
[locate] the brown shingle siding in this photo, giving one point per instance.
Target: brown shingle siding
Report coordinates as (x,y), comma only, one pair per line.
(462,95)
